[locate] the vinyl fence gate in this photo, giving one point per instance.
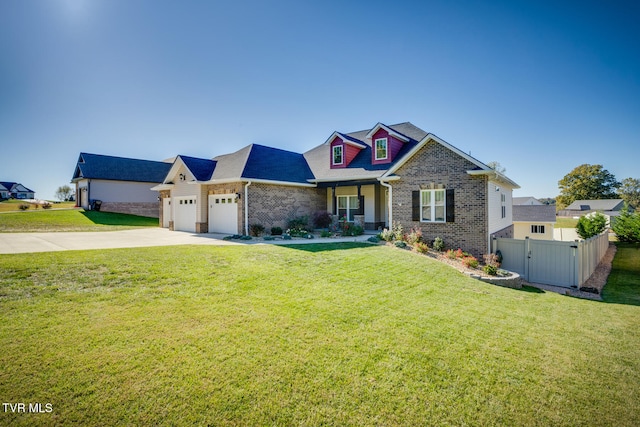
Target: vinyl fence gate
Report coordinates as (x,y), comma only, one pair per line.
(550,262)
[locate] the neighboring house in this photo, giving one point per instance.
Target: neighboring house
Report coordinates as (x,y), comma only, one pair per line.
(119,184)
(4,192)
(526,201)
(534,221)
(375,177)
(610,208)
(15,190)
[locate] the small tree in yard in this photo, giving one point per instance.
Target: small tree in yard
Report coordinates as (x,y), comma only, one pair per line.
(589,226)
(627,226)
(64,193)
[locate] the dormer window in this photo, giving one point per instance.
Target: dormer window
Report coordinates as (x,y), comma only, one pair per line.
(381,149)
(338,157)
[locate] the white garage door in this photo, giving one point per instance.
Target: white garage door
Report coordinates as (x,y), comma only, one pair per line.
(223,213)
(184,213)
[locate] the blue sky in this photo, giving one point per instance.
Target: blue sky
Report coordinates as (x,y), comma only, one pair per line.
(539,86)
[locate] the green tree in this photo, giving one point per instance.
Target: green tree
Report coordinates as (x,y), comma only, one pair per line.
(496,166)
(591,225)
(627,226)
(586,182)
(629,191)
(63,193)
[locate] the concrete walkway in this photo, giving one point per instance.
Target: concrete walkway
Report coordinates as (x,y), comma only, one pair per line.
(15,243)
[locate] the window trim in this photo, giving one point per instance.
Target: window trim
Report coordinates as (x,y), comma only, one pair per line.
(348,209)
(537,229)
(386,148)
(333,155)
(433,205)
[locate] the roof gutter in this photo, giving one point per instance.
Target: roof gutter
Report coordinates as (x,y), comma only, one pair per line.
(257,181)
(390,201)
(246,208)
(495,175)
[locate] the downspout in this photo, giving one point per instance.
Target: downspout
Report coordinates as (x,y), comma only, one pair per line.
(246,208)
(389,202)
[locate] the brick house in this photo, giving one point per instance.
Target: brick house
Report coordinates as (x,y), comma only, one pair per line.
(374,177)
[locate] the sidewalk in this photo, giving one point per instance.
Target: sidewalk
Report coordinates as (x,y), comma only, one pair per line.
(15,243)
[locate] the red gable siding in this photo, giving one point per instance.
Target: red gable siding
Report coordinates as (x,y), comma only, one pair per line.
(393,147)
(349,152)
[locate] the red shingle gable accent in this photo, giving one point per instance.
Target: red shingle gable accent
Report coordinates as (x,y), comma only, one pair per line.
(349,152)
(394,146)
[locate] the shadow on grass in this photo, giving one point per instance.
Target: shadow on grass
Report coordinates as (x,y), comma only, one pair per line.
(111,218)
(324,247)
(531,290)
(623,284)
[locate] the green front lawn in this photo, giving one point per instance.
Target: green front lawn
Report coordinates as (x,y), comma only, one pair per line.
(70,220)
(336,334)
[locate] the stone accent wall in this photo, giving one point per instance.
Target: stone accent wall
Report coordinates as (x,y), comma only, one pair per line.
(149,209)
(274,205)
(165,194)
(435,166)
(202,227)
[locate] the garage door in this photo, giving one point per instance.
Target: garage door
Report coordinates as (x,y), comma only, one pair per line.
(184,213)
(223,213)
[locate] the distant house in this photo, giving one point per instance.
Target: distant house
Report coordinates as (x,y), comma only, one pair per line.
(118,184)
(526,201)
(15,190)
(534,221)
(610,208)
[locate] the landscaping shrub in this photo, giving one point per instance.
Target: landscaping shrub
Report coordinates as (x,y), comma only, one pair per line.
(421,247)
(438,244)
(46,205)
(470,262)
(589,226)
(397,231)
(373,239)
(23,206)
(276,231)
(269,238)
(322,219)
(386,235)
(451,254)
(256,229)
(400,244)
(297,226)
(349,229)
(326,233)
(627,226)
(414,236)
(492,263)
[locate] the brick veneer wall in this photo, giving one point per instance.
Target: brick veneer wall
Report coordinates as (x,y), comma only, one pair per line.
(150,209)
(435,165)
(274,205)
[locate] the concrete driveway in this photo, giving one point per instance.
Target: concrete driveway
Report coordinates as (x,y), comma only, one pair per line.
(15,243)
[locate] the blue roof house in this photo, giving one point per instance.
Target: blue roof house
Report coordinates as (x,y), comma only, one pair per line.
(118,184)
(373,177)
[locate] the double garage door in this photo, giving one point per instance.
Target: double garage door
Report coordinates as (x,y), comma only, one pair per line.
(223,213)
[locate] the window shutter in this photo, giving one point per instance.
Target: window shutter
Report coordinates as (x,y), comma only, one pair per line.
(415,206)
(451,206)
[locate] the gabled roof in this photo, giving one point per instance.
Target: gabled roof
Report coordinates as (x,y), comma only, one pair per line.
(389,130)
(3,188)
(534,213)
(528,200)
(261,163)
(12,187)
(596,205)
(346,139)
(98,166)
(202,169)
(360,167)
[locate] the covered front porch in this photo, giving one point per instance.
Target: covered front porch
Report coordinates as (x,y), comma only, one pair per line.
(362,202)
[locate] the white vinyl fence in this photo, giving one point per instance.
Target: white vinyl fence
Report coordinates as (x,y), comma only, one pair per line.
(567,264)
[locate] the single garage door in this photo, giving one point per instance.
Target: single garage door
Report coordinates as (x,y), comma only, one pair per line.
(184,213)
(223,213)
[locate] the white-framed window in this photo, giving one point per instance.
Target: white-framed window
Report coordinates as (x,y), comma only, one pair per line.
(537,229)
(503,205)
(381,148)
(338,155)
(348,206)
(433,206)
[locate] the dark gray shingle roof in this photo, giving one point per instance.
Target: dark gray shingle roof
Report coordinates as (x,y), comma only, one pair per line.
(98,166)
(534,213)
(596,205)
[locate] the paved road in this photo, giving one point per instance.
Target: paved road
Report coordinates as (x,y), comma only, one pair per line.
(14,243)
